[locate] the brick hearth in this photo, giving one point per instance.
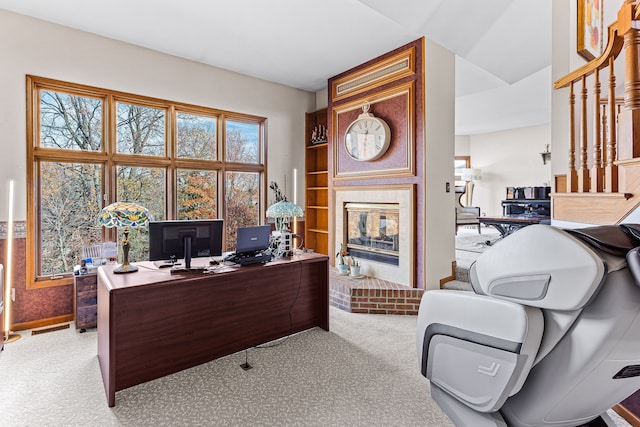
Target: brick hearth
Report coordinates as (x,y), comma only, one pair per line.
(371,295)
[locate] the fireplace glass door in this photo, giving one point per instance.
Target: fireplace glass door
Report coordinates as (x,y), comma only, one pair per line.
(373,231)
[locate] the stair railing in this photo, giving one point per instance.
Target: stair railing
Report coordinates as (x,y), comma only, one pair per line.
(614,128)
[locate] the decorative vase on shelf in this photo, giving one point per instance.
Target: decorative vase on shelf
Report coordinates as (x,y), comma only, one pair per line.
(355,270)
(343,268)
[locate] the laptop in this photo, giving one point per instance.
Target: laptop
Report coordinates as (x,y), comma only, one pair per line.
(252,239)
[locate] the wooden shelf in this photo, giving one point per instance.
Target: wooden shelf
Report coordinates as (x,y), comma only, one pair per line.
(317,190)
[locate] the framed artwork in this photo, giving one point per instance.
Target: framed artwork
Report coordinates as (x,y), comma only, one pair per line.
(590,28)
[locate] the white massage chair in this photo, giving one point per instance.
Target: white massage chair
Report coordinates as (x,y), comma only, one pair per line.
(549,337)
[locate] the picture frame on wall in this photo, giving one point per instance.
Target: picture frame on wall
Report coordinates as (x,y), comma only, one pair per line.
(590,28)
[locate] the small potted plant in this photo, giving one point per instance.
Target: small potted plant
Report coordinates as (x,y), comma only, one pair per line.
(355,267)
(342,265)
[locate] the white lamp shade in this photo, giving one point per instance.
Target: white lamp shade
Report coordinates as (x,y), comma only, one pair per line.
(471,174)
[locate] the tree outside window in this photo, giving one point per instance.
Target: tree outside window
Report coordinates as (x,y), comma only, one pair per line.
(164,156)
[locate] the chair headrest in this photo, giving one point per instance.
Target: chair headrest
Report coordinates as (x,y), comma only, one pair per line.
(612,239)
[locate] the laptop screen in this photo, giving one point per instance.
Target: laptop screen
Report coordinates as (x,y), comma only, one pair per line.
(252,239)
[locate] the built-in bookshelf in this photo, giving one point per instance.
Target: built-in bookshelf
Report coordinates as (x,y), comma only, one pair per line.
(317,182)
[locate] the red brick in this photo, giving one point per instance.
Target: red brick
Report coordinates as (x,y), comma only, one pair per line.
(368,305)
(377,300)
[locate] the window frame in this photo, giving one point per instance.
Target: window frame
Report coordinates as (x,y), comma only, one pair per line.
(110,159)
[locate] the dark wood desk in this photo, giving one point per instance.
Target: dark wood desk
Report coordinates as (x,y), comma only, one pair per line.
(508,224)
(153,323)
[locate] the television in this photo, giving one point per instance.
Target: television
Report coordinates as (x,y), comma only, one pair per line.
(170,240)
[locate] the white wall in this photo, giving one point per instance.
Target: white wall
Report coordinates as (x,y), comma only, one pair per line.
(438,163)
(31,46)
(508,159)
(463,145)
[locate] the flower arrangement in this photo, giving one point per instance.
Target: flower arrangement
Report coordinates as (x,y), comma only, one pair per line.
(341,254)
(279,195)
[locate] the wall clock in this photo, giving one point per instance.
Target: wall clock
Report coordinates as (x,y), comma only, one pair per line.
(367,137)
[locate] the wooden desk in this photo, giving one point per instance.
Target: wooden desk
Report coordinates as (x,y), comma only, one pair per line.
(508,224)
(153,323)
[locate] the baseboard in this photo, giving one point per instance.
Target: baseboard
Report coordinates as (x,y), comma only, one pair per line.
(42,322)
(449,278)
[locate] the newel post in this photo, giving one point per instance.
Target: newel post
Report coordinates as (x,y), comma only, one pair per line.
(629,118)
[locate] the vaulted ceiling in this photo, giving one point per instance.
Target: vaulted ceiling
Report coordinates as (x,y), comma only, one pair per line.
(502,47)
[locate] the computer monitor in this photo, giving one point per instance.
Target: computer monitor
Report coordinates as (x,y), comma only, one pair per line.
(185,239)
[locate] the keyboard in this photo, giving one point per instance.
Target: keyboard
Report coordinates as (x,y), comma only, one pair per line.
(248,258)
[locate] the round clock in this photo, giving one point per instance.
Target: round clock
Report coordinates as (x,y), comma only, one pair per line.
(367,137)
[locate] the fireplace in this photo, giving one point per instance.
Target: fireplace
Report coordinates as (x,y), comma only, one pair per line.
(373,231)
(377,225)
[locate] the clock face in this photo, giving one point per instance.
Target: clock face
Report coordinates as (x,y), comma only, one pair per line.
(367,138)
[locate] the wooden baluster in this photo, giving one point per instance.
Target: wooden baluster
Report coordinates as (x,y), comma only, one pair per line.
(572,176)
(611,170)
(583,170)
(596,170)
(604,126)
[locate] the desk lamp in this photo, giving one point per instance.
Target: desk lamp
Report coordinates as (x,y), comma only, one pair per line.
(282,212)
(125,214)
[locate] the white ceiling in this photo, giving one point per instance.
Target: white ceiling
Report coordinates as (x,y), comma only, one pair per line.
(502,47)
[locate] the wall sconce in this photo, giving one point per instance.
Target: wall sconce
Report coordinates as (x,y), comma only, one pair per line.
(546,155)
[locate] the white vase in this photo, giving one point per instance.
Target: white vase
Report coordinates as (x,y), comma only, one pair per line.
(343,268)
(355,270)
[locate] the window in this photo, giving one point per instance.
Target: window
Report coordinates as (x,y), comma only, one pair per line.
(89,147)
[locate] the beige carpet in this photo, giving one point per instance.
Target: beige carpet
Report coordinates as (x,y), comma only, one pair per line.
(362,373)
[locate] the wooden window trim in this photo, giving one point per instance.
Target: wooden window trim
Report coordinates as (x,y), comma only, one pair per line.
(110,159)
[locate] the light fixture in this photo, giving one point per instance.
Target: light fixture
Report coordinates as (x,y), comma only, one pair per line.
(8,336)
(469,175)
(125,214)
(282,212)
(546,155)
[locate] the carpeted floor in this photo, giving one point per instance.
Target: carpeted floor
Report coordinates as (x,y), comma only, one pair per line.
(363,372)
